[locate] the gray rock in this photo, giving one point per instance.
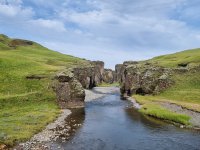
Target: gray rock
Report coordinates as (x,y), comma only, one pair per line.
(69,91)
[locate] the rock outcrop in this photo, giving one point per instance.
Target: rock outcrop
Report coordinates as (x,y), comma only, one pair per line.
(98,71)
(108,76)
(18,42)
(137,78)
(70,84)
(118,72)
(86,76)
(69,91)
(93,75)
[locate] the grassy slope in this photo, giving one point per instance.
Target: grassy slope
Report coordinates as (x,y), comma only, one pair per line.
(185,92)
(192,57)
(26,106)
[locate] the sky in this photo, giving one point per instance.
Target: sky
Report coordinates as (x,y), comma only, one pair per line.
(109,30)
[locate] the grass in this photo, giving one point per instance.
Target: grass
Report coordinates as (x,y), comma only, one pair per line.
(151,107)
(185,92)
(192,57)
(26,106)
(154,110)
(103,84)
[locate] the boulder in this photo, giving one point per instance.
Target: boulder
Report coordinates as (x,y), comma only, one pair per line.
(69,91)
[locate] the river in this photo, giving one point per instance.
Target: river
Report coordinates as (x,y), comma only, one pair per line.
(110,123)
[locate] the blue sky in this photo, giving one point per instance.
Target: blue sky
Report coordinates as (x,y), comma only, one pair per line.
(112,31)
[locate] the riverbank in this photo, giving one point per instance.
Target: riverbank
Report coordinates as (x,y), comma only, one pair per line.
(43,139)
(168,111)
(173,112)
(52,131)
(99,92)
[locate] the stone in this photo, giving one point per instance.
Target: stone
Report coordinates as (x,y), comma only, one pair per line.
(18,42)
(108,76)
(138,78)
(86,76)
(3,147)
(69,91)
(118,72)
(98,71)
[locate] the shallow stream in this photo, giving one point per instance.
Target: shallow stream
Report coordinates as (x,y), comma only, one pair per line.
(109,123)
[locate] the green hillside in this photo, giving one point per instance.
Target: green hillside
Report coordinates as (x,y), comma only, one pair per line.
(190,57)
(26,104)
(185,91)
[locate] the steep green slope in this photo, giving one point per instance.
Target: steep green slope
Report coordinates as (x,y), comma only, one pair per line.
(27,104)
(190,57)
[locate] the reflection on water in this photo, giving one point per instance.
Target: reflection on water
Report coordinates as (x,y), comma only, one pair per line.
(110,124)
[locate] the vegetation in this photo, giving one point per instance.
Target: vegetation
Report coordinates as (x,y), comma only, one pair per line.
(185,92)
(103,84)
(190,57)
(152,107)
(27,105)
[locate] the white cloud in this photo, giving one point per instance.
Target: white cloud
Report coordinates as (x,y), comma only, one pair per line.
(53,25)
(15,10)
(98,29)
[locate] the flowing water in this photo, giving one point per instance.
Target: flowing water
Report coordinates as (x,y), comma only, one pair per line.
(110,123)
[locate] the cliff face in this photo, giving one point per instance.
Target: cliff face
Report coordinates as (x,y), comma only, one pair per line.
(90,76)
(69,85)
(69,91)
(136,78)
(98,71)
(118,72)
(108,76)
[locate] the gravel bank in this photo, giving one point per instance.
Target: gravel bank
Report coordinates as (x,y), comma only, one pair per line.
(195,116)
(99,92)
(52,131)
(135,104)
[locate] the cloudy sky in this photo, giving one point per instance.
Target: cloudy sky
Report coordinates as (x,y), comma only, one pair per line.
(108,30)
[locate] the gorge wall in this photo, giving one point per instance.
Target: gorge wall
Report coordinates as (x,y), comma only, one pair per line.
(142,78)
(69,85)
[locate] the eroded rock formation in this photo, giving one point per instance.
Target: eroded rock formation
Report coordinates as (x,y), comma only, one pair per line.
(108,76)
(69,91)
(138,78)
(98,71)
(86,76)
(70,84)
(118,72)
